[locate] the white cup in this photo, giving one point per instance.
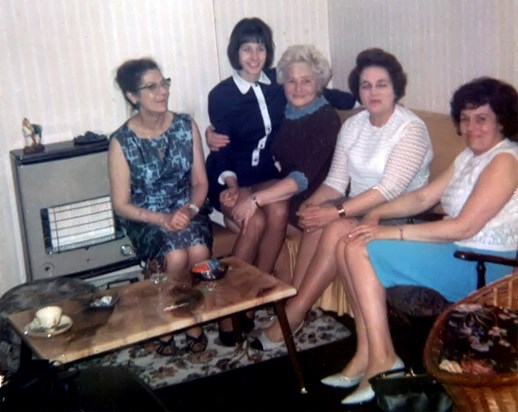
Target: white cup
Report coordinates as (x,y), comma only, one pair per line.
(49,316)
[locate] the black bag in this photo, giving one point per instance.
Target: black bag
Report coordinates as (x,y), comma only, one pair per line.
(409,392)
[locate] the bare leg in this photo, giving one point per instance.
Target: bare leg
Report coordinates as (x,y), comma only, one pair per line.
(320,273)
(371,301)
(359,361)
(273,236)
(247,244)
(177,269)
(245,247)
(307,248)
(177,264)
(197,254)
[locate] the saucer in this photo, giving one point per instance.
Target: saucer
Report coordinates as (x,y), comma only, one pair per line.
(34,329)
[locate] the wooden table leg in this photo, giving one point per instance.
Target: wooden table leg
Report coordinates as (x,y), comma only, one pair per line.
(290,345)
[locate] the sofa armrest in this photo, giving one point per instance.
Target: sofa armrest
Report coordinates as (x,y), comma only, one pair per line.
(481,260)
(480,257)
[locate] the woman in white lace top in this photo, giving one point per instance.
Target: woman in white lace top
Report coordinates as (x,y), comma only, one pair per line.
(381,152)
(479,195)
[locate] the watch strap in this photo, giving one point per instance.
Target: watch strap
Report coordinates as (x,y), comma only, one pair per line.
(341,210)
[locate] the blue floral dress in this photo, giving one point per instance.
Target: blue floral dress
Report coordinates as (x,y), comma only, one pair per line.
(160,170)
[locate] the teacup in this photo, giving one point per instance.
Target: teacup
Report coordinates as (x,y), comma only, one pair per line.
(49,316)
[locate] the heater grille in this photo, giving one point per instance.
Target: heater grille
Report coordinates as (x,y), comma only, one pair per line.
(80,224)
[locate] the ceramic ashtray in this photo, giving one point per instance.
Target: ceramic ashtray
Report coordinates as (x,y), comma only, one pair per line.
(211,269)
(103,302)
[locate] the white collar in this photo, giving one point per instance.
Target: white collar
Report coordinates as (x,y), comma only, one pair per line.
(244,85)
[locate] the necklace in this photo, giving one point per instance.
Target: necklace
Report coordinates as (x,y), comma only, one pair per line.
(150,128)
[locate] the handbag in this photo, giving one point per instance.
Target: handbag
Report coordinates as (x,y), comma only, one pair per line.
(402,390)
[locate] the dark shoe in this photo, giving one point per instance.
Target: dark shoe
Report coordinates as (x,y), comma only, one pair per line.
(247,324)
(196,345)
(227,338)
(167,347)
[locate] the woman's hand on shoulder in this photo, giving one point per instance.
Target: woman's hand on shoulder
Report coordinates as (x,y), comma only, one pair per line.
(214,140)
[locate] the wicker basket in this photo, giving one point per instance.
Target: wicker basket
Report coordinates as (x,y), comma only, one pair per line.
(471,392)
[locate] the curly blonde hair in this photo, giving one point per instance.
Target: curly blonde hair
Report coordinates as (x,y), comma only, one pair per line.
(309,54)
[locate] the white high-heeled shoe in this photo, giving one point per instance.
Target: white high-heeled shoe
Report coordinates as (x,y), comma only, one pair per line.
(263,342)
(341,381)
(367,394)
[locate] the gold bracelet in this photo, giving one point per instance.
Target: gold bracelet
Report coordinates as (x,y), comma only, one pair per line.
(401,237)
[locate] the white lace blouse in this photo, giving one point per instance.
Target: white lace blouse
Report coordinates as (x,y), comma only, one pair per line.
(393,159)
(501,232)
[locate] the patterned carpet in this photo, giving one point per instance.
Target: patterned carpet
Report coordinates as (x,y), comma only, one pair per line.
(158,371)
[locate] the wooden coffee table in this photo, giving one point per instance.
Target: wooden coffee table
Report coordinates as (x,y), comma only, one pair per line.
(139,315)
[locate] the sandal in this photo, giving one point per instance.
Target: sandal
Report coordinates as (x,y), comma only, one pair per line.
(167,347)
(196,345)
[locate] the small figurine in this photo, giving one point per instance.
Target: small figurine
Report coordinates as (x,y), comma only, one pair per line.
(32,136)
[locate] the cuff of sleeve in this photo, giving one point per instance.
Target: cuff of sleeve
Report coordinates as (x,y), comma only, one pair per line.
(224,175)
(300,180)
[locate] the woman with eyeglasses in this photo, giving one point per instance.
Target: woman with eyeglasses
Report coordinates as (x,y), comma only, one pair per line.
(158,182)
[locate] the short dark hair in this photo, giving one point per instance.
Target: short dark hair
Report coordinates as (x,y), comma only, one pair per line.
(501,97)
(379,58)
(250,30)
(129,75)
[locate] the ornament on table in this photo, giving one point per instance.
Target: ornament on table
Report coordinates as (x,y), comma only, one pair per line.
(32,136)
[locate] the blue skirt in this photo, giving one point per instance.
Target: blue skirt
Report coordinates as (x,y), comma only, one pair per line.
(431,265)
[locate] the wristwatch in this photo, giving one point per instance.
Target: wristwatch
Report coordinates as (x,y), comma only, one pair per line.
(194,208)
(341,210)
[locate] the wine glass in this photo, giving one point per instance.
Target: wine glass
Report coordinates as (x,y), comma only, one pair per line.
(158,273)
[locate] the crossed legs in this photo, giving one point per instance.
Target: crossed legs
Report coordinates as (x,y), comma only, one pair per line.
(374,350)
(262,241)
(315,269)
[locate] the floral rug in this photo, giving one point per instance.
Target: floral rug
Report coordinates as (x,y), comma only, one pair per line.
(158,371)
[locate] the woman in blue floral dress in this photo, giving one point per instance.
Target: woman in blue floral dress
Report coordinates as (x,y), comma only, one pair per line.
(157,179)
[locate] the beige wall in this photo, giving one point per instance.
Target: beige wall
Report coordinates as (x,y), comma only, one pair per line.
(59,56)
(441,43)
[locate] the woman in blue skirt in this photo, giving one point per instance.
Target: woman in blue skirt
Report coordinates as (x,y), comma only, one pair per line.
(479,195)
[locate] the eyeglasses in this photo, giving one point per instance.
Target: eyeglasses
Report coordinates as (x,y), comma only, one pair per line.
(153,87)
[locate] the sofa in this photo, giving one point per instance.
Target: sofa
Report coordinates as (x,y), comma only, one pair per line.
(446,145)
